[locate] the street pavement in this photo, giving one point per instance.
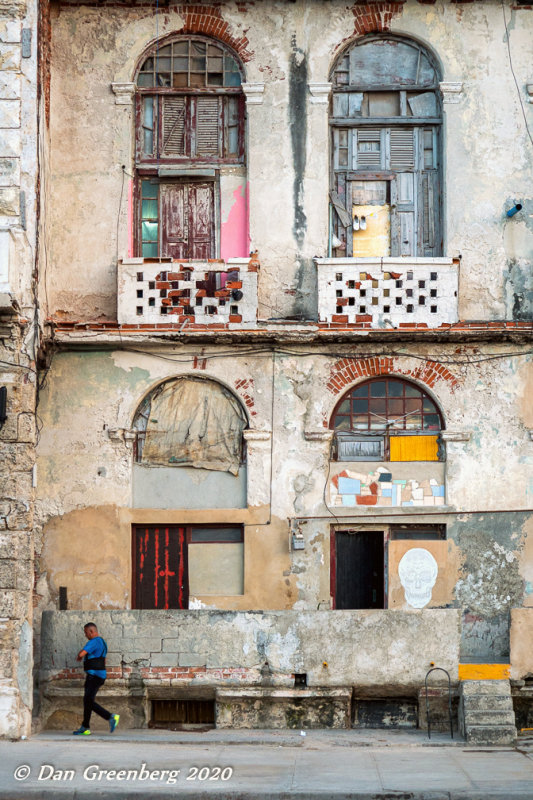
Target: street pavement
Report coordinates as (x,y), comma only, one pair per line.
(263,765)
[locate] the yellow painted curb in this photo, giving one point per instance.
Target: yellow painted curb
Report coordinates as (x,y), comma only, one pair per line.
(484,672)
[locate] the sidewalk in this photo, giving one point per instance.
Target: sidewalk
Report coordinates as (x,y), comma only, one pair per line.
(264,765)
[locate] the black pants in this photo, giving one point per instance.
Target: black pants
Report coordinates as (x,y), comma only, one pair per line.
(92,684)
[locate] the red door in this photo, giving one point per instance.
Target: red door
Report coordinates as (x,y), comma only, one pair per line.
(159,567)
(187,220)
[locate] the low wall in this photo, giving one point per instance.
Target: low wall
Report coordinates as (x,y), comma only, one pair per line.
(521,643)
(174,651)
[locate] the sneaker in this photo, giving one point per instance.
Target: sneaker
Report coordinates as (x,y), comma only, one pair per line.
(113,722)
(82,731)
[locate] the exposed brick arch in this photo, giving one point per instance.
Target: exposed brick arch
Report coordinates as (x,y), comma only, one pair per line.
(348,371)
(208,21)
(375,17)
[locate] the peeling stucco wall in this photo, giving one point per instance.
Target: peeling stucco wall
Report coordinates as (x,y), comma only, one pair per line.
(487,164)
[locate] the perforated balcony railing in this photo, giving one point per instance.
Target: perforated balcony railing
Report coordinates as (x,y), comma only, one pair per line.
(388,292)
(216,293)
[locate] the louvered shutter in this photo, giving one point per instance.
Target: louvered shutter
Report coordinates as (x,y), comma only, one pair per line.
(368,148)
(402,149)
(207,126)
(173,112)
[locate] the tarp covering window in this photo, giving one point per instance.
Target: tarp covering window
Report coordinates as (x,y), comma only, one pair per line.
(195,423)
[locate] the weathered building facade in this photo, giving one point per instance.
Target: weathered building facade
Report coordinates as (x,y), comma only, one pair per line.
(285,432)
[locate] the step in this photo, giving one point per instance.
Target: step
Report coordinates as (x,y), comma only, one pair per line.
(495,718)
(490,734)
(487,702)
(500,688)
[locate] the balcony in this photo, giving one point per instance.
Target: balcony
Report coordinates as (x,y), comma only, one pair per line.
(388,292)
(213,293)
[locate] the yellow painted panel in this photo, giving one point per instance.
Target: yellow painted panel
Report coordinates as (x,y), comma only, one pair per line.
(484,672)
(375,239)
(413,448)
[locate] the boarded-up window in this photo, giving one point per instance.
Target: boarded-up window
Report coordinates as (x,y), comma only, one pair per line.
(385,126)
(191,422)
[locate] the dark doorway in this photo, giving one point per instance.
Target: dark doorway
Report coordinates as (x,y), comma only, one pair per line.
(159,567)
(359,569)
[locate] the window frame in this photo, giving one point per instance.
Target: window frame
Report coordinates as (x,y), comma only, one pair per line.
(385,433)
(422,215)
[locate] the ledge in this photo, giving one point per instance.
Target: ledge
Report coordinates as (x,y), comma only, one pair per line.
(455,436)
(319,436)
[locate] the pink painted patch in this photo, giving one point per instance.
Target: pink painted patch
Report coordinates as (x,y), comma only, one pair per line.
(234,237)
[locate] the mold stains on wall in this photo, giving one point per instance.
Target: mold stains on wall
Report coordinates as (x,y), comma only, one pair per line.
(298,131)
(518,288)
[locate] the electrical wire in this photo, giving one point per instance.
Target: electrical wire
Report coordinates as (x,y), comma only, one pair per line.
(507,39)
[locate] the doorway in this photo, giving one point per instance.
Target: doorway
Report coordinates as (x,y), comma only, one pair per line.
(359,569)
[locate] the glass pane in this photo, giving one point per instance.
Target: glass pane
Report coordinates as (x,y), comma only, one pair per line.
(149,209)
(344,407)
(377,389)
(165,51)
(413,404)
(198,48)
(180,80)
(411,391)
(148,65)
(376,424)
(198,64)
(432,422)
(145,80)
(233,141)
(413,422)
(149,231)
(395,388)
(216,64)
(361,391)
(162,64)
(149,189)
(395,406)
(231,64)
(212,50)
(342,423)
(214,79)
(163,79)
(216,535)
(181,48)
(181,64)
(149,250)
(197,79)
(361,422)
(148,142)
(378,406)
(429,405)
(148,112)
(233,79)
(360,405)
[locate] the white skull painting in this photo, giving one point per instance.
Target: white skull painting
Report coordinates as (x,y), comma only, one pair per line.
(418,572)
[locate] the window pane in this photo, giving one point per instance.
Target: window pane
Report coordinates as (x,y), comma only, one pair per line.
(162,64)
(360,405)
(216,64)
(233,79)
(214,79)
(212,50)
(216,535)
(413,422)
(377,389)
(181,48)
(413,404)
(429,405)
(149,231)
(149,250)
(396,406)
(361,391)
(395,388)
(411,391)
(149,189)
(378,406)
(198,64)
(197,80)
(376,424)
(432,422)
(383,104)
(361,422)
(164,51)
(181,64)
(149,210)
(344,407)
(342,423)
(198,48)
(146,80)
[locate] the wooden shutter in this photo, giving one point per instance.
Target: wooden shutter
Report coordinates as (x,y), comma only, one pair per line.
(207,126)
(402,148)
(173,139)
(369,148)
(174,221)
(201,220)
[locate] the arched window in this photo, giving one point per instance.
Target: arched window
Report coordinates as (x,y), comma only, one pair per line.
(189,123)
(387,419)
(385,140)
(190,422)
